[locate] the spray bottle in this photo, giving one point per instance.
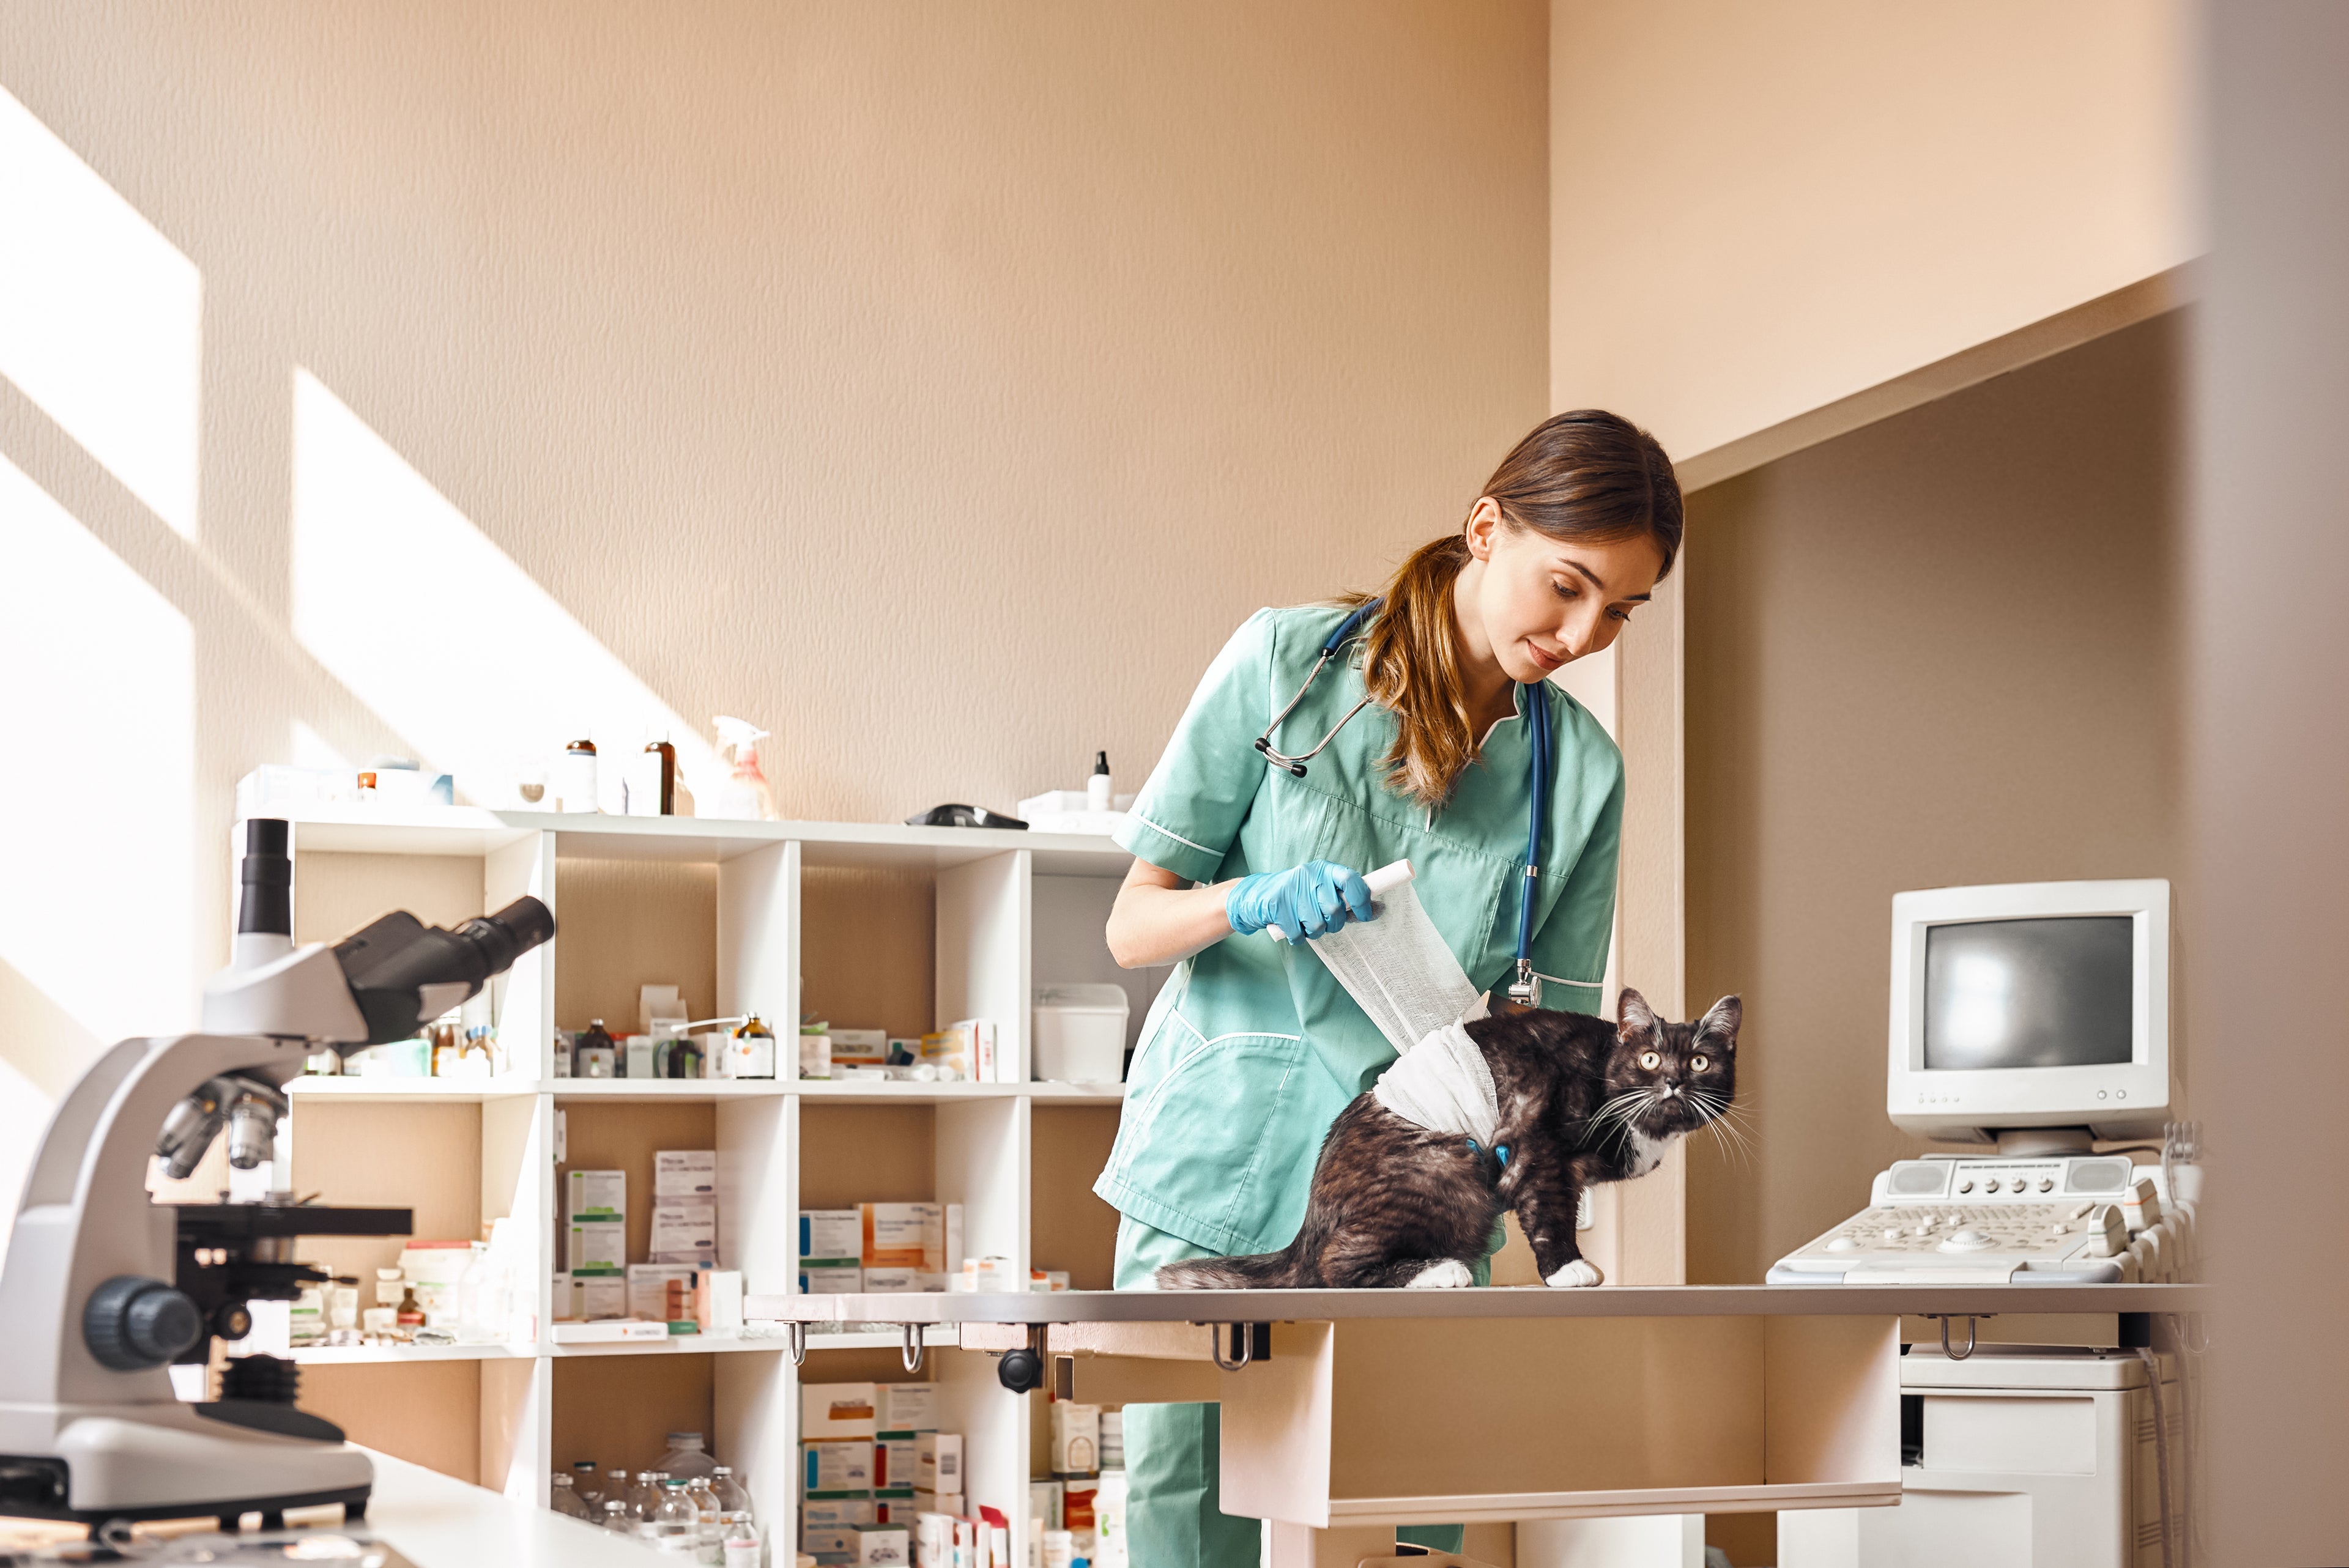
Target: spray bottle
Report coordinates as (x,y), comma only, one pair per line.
(744,795)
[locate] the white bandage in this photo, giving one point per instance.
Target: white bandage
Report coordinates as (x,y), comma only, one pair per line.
(1444,1085)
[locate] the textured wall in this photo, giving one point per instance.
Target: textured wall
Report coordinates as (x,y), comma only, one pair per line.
(938,384)
(1936,651)
(1759,209)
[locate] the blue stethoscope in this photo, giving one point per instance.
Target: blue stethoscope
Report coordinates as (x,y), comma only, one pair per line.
(1526,990)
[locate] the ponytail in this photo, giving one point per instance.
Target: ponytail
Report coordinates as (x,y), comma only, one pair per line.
(1590,477)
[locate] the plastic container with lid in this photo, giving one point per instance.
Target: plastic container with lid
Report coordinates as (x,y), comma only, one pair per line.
(1079,1033)
(688,1458)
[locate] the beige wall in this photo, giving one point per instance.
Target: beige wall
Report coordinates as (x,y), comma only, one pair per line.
(1938,650)
(1760,210)
(938,384)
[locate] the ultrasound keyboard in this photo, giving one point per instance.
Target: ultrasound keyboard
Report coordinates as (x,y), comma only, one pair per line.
(2065,1219)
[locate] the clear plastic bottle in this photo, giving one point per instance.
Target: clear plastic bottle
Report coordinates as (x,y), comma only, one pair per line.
(481,1317)
(687,1458)
(741,1545)
(587,1488)
(567,1501)
(711,1519)
(675,1528)
(616,1519)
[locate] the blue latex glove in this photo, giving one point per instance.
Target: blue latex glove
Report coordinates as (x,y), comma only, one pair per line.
(1307,900)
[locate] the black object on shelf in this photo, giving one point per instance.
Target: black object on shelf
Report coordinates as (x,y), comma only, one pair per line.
(961,815)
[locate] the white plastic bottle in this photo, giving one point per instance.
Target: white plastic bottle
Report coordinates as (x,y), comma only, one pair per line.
(1097,786)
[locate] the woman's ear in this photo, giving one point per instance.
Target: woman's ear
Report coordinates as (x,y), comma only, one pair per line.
(1484,521)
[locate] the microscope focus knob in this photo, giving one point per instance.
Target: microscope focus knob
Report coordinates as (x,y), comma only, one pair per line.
(132,1324)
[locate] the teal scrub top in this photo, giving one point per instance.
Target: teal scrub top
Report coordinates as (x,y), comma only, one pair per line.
(1252,1049)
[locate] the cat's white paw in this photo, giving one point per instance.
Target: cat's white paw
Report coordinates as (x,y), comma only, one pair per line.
(1449,1274)
(1581,1271)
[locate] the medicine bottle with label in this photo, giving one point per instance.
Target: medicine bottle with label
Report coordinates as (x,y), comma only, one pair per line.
(753,1053)
(596,1054)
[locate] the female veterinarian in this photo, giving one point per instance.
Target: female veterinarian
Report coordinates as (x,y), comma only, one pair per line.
(1414,734)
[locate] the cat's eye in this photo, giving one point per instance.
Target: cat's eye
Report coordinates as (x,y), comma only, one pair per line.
(1696,1064)
(1650,1060)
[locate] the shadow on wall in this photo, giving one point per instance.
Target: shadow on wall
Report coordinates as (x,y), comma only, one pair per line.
(408,629)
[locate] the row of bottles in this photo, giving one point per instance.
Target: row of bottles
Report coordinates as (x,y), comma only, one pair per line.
(692,1508)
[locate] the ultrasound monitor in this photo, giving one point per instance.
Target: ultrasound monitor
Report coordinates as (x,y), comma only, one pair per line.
(2034,1014)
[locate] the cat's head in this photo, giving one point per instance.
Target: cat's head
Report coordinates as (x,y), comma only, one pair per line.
(1664,1079)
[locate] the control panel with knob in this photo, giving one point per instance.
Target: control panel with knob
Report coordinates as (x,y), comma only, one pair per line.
(2059,1219)
(131,1323)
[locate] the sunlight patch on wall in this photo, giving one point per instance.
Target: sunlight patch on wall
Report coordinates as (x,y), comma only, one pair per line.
(437,631)
(100,914)
(100,317)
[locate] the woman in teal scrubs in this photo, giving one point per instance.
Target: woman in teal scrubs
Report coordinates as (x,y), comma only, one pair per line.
(1252,1047)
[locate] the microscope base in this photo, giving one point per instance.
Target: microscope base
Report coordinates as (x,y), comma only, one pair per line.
(142,1462)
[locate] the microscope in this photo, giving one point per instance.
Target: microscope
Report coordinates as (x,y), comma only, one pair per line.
(104,1289)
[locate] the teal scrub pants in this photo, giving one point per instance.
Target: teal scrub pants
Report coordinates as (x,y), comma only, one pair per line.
(1173,1454)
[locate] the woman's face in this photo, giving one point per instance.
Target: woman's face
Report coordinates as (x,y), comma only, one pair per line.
(1542,603)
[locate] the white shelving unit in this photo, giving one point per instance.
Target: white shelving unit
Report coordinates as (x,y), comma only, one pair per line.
(875,926)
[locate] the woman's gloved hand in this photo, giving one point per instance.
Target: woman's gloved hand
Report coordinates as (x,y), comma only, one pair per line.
(1307,900)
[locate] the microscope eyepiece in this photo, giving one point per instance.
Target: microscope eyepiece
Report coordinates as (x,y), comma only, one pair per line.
(502,937)
(404,974)
(266,878)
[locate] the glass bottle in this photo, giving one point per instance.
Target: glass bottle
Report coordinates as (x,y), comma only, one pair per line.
(596,1055)
(711,1527)
(590,1491)
(616,1519)
(753,1055)
(410,1316)
(688,1458)
(644,1498)
(741,1543)
(667,774)
(615,1487)
(733,1501)
(675,1527)
(567,1499)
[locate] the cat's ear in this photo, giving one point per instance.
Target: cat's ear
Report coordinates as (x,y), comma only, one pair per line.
(1633,1016)
(1722,1020)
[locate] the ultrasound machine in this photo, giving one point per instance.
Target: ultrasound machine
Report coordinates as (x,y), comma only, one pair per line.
(2032,1019)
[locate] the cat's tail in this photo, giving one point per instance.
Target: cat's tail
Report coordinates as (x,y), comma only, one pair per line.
(1262,1271)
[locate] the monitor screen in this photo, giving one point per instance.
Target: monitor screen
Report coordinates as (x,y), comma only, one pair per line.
(2050,993)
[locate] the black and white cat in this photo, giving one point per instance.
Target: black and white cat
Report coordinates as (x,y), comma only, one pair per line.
(1406,1194)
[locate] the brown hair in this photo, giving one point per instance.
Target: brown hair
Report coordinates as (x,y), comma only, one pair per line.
(1587,477)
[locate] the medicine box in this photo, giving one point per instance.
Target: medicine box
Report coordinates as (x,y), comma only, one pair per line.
(935,1503)
(863,1047)
(685,1174)
(1076,1438)
(1044,1503)
(816,1055)
(893,1463)
(902,1282)
(891,1544)
(830,1279)
(837,1233)
(648,1290)
(901,1409)
(596,1247)
(829,1544)
(838,1410)
(1113,1439)
(1077,1505)
(938,1463)
(602,1295)
(596,1195)
(684,1232)
(718,1301)
(902,1235)
(837,1512)
(837,1465)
